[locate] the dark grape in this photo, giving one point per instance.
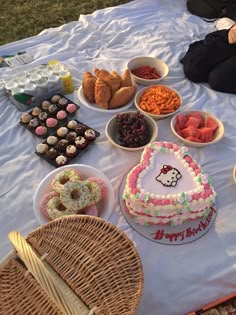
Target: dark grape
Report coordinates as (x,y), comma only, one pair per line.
(133,129)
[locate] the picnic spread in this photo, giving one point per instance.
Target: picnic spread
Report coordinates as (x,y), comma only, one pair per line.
(107,146)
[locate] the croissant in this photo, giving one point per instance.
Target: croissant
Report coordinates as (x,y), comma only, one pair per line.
(116,75)
(111,81)
(96,72)
(88,85)
(102,94)
(126,79)
(122,96)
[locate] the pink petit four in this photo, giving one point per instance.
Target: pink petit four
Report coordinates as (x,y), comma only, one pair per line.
(41,130)
(51,122)
(61,115)
(71,108)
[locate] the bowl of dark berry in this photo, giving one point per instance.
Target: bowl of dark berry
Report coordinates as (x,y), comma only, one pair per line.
(131,130)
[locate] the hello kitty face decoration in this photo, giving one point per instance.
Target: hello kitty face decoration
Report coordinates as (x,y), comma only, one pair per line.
(168,176)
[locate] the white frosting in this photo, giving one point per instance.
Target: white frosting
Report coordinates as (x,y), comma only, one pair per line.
(152,186)
(80,140)
(184,206)
(90,133)
(71,149)
(61,159)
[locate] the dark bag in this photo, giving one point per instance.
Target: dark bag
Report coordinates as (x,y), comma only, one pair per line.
(212,9)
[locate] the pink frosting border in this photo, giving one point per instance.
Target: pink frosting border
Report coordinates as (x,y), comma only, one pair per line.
(145,162)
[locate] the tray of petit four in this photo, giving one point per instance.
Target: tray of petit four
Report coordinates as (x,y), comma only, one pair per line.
(66,143)
(51,114)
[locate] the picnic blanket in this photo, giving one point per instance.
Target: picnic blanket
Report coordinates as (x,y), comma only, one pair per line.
(177,278)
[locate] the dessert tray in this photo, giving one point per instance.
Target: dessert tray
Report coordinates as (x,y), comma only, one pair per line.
(60,123)
(94,107)
(105,206)
(166,234)
(60,152)
(73,265)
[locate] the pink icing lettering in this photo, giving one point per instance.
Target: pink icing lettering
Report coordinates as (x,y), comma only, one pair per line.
(158,235)
(188,232)
(174,236)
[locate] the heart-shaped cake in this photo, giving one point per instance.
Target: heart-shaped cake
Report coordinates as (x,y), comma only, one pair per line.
(167,187)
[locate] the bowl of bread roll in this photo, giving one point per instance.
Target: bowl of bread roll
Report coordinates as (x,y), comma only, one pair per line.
(105,91)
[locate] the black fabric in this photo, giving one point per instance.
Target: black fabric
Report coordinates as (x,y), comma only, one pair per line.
(212,8)
(223,77)
(212,60)
(229,10)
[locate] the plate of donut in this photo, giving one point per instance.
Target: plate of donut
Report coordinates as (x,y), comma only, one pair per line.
(104,205)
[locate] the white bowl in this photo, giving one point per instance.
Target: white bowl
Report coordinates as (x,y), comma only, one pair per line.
(217,135)
(113,136)
(154,116)
(234,174)
(161,67)
(105,206)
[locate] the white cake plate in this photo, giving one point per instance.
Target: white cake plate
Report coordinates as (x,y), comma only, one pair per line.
(166,234)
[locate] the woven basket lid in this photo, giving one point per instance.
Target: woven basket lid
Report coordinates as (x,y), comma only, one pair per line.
(20,293)
(95,259)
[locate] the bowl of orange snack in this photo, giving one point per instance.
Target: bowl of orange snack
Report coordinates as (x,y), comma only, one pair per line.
(158,101)
(147,70)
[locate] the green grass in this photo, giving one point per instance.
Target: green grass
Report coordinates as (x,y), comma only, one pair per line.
(24,18)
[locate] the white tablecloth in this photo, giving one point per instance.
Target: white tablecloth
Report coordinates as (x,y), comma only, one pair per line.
(177,279)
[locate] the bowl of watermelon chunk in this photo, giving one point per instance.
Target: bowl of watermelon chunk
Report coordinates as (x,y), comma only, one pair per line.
(197,128)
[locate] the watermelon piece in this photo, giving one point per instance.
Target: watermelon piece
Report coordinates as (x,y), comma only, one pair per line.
(178,129)
(193,121)
(191,131)
(199,117)
(206,134)
(210,123)
(181,121)
(193,139)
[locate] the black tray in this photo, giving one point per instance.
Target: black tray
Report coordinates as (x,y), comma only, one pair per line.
(60,123)
(80,151)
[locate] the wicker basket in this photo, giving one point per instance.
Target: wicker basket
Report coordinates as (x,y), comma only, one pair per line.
(76,265)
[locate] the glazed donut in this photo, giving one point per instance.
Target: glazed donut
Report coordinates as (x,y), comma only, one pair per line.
(55,208)
(75,195)
(63,177)
(101,183)
(44,201)
(97,190)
